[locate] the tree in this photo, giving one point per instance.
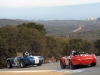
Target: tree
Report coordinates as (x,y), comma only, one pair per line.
(97,45)
(82,45)
(32,25)
(54,47)
(9,34)
(3,52)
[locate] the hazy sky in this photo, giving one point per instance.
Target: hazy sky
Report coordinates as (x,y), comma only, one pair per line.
(48,9)
(41,3)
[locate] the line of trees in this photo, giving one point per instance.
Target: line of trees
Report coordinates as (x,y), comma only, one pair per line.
(32,37)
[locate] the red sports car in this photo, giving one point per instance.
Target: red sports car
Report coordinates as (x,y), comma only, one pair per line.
(82,59)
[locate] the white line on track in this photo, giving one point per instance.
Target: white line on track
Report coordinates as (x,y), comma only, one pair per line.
(74,71)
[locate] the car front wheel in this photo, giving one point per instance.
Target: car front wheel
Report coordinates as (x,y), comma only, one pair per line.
(71,66)
(61,65)
(22,64)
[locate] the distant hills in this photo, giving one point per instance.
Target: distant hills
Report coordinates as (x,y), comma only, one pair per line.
(68,26)
(92,35)
(64,28)
(13,22)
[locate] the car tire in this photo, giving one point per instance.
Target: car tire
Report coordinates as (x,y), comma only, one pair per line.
(9,65)
(61,65)
(22,64)
(39,64)
(93,64)
(71,66)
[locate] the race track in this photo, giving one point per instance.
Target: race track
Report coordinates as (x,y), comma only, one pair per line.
(52,69)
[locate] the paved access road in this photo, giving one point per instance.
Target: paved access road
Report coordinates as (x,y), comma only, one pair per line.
(55,68)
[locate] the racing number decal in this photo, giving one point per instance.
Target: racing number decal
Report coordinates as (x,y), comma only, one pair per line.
(36,59)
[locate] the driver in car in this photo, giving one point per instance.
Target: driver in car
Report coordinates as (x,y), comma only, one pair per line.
(26,54)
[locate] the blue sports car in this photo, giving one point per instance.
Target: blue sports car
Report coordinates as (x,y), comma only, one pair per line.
(24,61)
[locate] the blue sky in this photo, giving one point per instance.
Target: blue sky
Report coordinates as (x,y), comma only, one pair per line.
(30,9)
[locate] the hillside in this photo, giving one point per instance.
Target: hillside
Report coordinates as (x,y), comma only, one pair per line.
(55,27)
(87,35)
(65,28)
(4,22)
(89,30)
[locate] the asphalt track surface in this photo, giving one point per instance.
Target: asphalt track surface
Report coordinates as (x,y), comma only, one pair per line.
(52,69)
